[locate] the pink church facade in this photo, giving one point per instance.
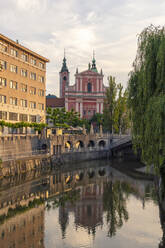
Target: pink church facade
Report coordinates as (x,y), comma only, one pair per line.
(87,95)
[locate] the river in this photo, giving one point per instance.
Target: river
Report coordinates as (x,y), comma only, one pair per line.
(89,205)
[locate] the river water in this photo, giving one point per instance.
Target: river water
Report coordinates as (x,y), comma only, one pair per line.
(92,204)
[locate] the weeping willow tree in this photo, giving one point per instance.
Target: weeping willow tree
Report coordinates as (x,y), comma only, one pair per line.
(147,96)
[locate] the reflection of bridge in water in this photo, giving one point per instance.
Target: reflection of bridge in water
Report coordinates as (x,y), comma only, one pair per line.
(90,179)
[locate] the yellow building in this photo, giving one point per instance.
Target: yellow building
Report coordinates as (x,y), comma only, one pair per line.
(22,83)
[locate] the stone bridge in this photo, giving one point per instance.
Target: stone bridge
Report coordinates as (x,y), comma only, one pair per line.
(73,143)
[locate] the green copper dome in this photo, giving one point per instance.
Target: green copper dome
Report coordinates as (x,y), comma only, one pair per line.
(64,66)
(94,68)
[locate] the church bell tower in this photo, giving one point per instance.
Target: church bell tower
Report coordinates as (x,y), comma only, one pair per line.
(64,78)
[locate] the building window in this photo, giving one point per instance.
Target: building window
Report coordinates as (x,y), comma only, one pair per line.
(3,115)
(14,52)
(23,87)
(13,85)
(41,79)
(41,65)
(23,72)
(3,47)
(89,87)
(2,99)
(32,91)
(41,92)
(3,81)
(3,64)
(32,118)
(13,101)
(13,116)
(13,68)
(33,75)
(41,106)
(23,117)
(23,103)
(33,61)
(24,57)
(33,105)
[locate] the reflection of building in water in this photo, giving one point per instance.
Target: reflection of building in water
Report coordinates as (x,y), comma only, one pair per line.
(63,220)
(24,230)
(88,211)
(22,194)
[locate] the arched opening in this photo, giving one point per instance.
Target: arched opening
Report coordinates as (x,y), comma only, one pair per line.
(79,144)
(68,146)
(91,144)
(44,146)
(68,179)
(102,143)
(79,176)
(101,172)
(89,87)
(90,174)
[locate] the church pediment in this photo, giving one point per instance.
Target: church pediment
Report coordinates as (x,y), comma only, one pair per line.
(88,73)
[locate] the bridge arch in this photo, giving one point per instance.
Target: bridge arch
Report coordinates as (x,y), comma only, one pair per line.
(91,144)
(79,144)
(102,143)
(68,145)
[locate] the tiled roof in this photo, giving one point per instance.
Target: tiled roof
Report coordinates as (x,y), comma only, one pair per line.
(55,102)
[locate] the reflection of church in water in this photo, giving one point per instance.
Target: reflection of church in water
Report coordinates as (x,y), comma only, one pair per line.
(88,210)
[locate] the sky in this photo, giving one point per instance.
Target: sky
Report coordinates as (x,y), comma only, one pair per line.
(109,27)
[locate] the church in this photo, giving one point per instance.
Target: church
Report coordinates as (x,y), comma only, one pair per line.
(85,96)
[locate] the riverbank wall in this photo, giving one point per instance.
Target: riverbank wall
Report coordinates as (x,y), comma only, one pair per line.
(22,166)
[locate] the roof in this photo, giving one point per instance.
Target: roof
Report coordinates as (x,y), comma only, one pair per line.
(16,44)
(55,102)
(89,72)
(51,96)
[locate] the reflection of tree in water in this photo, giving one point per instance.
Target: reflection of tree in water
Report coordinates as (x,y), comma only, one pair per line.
(63,220)
(59,202)
(114,203)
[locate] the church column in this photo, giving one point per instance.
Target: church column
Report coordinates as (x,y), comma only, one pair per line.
(101,85)
(97,85)
(81,109)
(81,84)
(77,107)
(101,108)
(66,104)
(97,107)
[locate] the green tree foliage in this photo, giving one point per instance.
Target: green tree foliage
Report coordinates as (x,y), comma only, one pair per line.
(62,118)
(36,126)
(147,96)
(109,104)
(114,204)
(115,108)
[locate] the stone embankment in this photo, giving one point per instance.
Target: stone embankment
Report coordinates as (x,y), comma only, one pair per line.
(21,166)
(21,154)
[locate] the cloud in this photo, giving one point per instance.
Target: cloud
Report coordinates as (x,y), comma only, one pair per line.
(109,27)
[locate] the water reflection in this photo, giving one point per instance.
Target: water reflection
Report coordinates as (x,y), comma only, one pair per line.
(90,196)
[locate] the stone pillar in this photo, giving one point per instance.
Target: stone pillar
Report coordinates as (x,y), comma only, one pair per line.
(101,130)
(81,109)
(91,130)
(84,130)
